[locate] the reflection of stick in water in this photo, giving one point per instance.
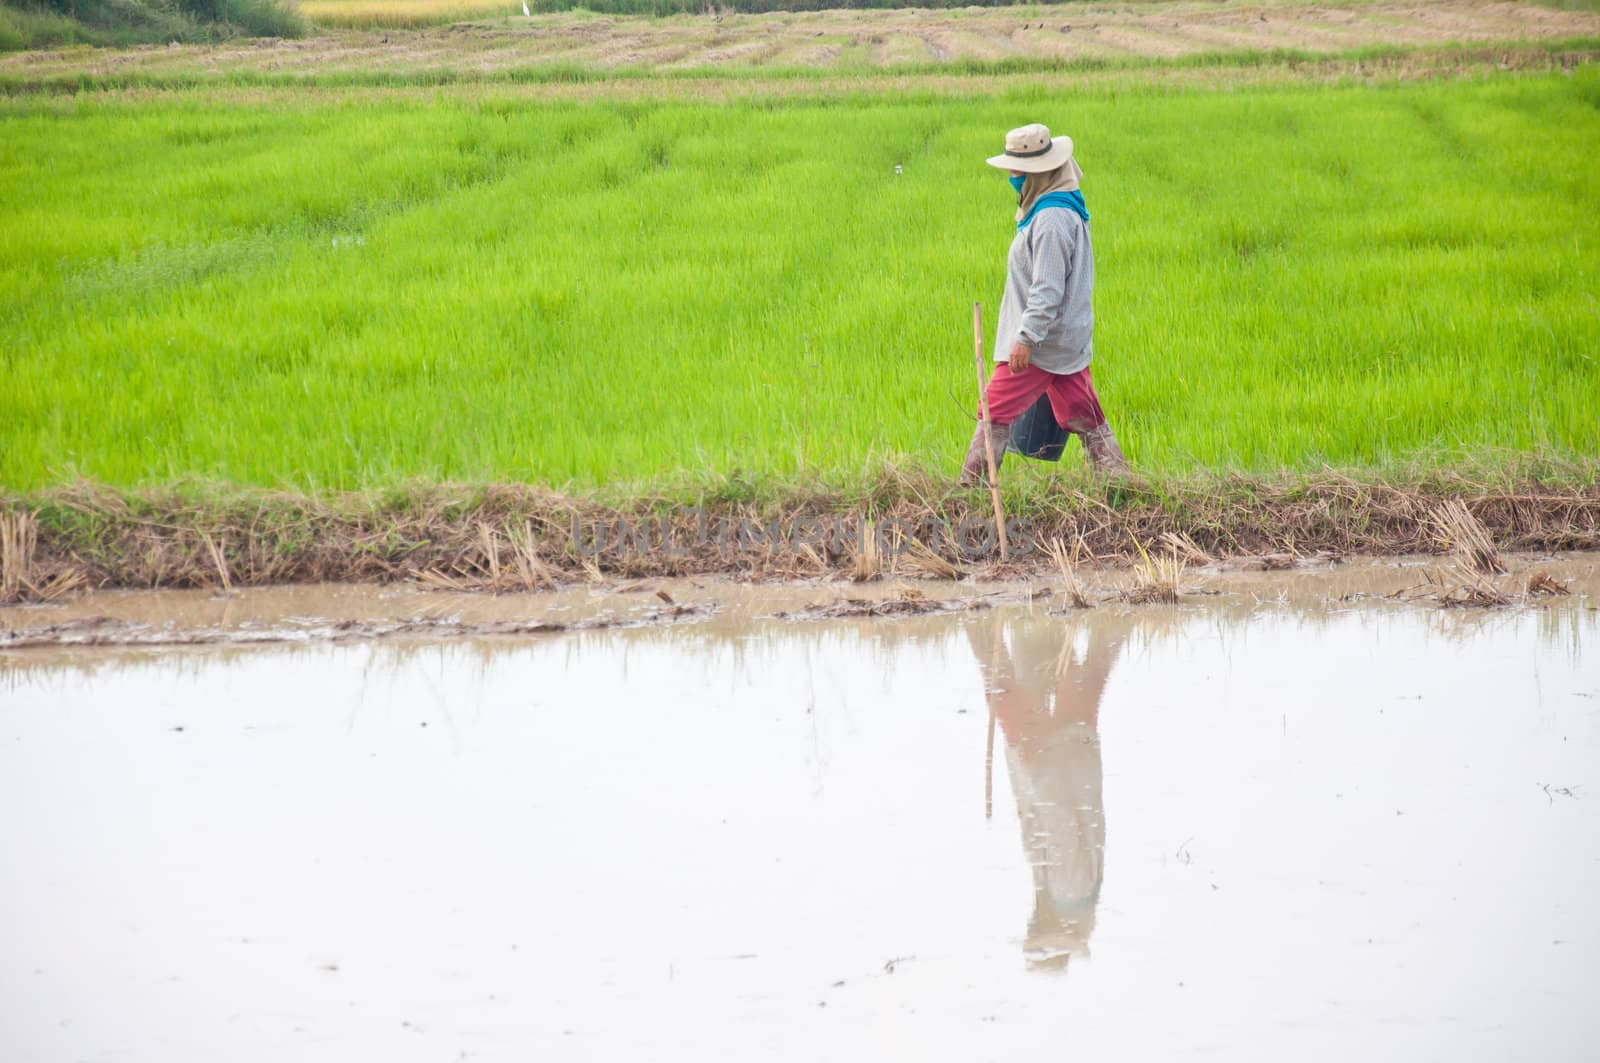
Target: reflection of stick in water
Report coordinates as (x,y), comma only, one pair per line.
(988,750)
(988,771)
(1046,699)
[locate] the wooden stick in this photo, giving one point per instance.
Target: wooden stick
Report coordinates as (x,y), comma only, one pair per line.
(988,440)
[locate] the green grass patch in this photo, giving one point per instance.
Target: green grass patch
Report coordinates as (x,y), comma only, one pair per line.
(341,294)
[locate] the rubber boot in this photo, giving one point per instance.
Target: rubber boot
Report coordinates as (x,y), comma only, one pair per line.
(975,469)
(1104,455)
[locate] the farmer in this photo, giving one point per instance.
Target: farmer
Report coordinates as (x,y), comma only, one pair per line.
(1045,334)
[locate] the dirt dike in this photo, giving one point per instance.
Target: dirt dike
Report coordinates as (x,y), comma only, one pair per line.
(903,525)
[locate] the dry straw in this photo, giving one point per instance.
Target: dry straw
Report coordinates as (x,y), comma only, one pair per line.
(868,563)
(17,543)
(531,571)
(506,559)
(1155,579)
(219,559)
(920,556)
(1464,587)
(1183,546)
(20,577)
(1075,591)
(1458,530)
(1543,584)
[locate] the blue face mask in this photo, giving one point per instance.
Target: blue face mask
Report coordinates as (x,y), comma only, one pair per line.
(1017,182)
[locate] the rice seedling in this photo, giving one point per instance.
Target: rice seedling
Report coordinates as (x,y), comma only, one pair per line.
(324,293)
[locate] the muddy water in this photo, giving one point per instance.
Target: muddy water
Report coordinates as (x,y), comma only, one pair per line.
(1238,828)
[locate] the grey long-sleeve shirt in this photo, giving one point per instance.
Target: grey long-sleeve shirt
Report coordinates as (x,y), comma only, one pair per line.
(1049,298)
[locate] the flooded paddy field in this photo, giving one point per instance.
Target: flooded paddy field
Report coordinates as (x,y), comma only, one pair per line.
(1289,817)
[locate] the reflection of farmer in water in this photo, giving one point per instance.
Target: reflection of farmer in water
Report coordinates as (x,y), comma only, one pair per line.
(1046,698)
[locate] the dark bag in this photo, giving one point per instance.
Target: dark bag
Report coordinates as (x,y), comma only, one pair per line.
(1036,435)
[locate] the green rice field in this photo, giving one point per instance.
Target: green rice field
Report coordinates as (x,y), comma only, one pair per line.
(330,291)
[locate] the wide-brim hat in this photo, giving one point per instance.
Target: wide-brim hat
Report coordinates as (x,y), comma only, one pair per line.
(1032,149)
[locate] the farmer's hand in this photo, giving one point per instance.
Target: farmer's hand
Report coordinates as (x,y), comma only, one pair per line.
(1019,356)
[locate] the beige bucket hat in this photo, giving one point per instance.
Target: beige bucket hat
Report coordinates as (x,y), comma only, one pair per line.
(1031,149)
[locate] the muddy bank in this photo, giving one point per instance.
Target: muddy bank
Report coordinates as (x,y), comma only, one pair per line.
(515,537)
(417,612)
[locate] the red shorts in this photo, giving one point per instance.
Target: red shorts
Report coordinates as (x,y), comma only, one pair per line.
(1072,397)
